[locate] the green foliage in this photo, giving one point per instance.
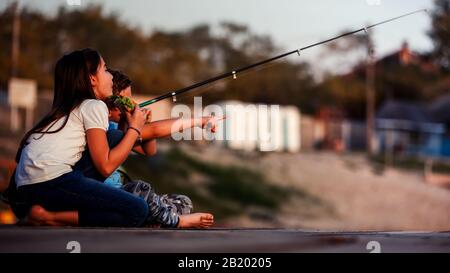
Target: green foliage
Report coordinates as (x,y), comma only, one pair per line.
(122,102)
(157,63)
(440,33)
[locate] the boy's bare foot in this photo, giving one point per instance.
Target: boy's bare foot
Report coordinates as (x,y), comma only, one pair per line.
(196,220)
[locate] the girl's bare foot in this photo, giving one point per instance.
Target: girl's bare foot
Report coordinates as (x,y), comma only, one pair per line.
(38,216)
(196,220)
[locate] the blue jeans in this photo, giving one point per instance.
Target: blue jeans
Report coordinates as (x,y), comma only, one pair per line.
(81,190)
(97,204)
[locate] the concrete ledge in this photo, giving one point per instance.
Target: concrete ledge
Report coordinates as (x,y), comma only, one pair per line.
(47,239)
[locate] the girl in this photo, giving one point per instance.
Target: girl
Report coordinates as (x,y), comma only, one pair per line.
(48,152)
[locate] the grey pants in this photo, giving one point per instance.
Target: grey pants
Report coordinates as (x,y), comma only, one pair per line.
(164,210)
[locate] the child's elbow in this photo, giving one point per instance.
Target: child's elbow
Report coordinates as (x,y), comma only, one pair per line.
(152,152)
(150,148)
(105,171)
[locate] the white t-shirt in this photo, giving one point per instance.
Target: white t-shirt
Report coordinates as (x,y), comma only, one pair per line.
(55,154)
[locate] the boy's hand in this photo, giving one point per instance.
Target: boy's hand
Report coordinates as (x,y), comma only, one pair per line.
(149,116)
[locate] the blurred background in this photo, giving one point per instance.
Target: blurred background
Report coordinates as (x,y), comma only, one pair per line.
(363,131)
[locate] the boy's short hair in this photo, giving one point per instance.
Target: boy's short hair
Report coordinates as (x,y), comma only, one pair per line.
(120,81)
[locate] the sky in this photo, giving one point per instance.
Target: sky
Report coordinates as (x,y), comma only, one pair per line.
(291,23)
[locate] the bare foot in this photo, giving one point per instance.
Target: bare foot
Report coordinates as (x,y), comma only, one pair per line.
(38,216)
(196,220)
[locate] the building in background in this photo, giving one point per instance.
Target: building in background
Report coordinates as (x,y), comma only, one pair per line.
(410,129)
(440,111)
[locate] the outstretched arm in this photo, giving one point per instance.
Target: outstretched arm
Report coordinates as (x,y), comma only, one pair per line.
(164,128)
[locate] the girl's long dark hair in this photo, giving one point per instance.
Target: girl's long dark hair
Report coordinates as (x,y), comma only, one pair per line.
(72,85)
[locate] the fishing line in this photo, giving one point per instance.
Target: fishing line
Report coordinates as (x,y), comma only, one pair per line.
(234,74)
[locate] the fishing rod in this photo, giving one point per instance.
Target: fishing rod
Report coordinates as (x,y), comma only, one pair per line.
(235,72)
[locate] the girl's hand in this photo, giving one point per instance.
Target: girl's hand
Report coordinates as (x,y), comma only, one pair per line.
(211,123)
(138,118)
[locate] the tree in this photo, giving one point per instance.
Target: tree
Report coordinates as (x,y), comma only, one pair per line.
(159,62)
(440,33)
